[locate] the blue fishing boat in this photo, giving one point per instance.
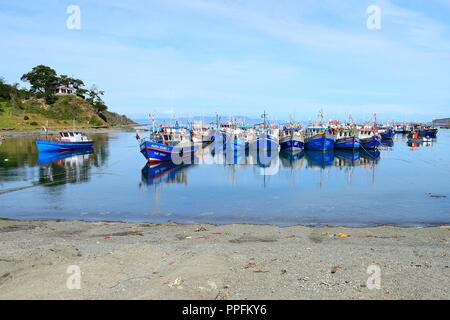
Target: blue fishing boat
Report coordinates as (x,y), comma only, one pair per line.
(428,132)
(168,144)
(66,141)
(267,137)
(346,139)
(369,139)
(317,138)
(387,133)
(292,139)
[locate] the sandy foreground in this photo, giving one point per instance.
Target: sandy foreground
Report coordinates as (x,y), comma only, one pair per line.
(143,261)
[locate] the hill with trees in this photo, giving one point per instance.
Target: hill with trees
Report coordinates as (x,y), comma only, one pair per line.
(56,99)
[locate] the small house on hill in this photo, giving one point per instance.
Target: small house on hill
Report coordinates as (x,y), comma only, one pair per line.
(64,90)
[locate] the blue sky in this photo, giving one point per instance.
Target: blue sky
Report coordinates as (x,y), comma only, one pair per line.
(198,57)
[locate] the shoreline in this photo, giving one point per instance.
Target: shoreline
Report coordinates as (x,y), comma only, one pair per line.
(120,260)
(35,132)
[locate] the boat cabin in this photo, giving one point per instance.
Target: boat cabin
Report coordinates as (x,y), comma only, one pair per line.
(69,136)
(367,133)
(313,131)
(345,133)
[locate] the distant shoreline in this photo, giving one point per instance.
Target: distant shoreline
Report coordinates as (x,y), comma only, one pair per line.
(37,132)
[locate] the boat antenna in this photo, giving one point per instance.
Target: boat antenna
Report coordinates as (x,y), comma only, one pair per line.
(375,122)
(264,116)
(217,121)
(321,116)
(152,120)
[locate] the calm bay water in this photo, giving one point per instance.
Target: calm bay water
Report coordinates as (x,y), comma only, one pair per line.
(402,185)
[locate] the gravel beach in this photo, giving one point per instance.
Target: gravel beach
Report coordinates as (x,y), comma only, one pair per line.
(143,261)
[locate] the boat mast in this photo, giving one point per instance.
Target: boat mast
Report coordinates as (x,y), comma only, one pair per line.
(321,116)
(375,122)
(217,122)
(264,116)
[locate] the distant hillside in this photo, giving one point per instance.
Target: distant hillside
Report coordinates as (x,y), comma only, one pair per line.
(58,99)
(442,122)
(34,113)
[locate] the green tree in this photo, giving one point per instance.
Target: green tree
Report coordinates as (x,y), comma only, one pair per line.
(94,98)
(6,90)
(42,79)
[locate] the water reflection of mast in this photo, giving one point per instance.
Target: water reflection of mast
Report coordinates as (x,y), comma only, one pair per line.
(156,196)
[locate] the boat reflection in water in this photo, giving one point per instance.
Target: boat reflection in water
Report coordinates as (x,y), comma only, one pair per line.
(292,160)
(319,159)
(64,167)
(45,158)
(387,144)
(164,172)
(346,158)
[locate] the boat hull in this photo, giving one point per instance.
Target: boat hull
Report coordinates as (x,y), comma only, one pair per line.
(387,135)
(292,144)
(56,146)
(370,143)
(265,142)
(432,133)
(156,152)
(319,143)
(352,143)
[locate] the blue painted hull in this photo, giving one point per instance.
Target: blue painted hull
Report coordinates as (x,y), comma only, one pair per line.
(347,144)
(432,133)
(55,146)
(292,145)
(319,143)
(388,135)
(156,152)
(370,143)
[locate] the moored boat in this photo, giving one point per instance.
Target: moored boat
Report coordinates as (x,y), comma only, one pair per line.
(266,138)
(68,140)
(346,139)
(292,139)
(386,133)
(317,138)
(428,132)
(169,144)
(369,139)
